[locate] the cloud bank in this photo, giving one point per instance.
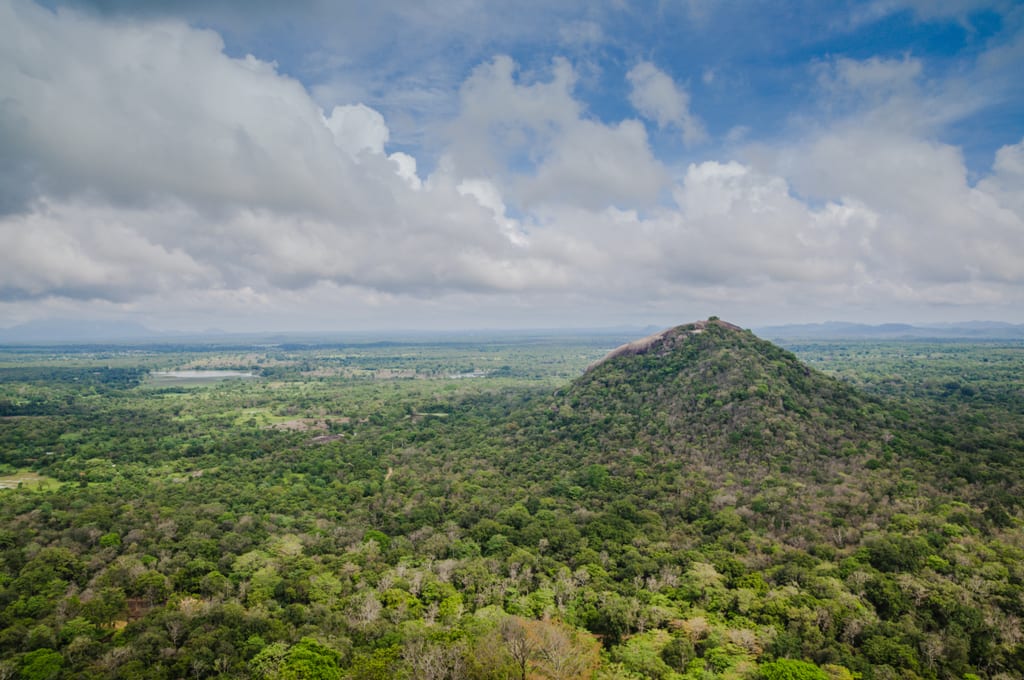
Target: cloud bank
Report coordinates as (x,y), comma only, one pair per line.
(142,165)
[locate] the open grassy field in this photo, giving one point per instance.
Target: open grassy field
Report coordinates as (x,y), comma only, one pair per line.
(26,479)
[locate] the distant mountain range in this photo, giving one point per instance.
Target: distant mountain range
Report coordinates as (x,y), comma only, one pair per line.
(833,330)
(68,331)
(61,331)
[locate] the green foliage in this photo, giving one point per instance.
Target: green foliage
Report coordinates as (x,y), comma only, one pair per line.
(791,669)
(41,664)
(644,655)
(383,663)
(267,663)
(713,508)
(309,660)
(111,540)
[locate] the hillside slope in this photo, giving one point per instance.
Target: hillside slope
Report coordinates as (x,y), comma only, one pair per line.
(713,390)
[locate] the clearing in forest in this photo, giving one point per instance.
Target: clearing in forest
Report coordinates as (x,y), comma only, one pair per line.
(27,479)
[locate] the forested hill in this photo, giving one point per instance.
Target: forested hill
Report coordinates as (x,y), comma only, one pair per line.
(707,415)
(712,386)
(709,439)
(736,415)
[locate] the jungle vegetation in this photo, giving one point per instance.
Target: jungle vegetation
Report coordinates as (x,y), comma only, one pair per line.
(703,505)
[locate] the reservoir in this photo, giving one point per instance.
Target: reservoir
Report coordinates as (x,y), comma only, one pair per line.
(197,377)
(203,375)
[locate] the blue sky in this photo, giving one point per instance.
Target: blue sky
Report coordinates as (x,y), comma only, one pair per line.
(333,165)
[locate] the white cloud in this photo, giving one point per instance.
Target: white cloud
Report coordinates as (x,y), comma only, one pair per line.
(747,226)
(161,163)
(136,110)
(926,233)
(897,94)
(531,136)
(504,121)
(86,252)
(593,165)
(741,235)
(874,76)
(732,229)
(488,196)
(581,34)
(1009,163)
(657,97)
(934,228)
(1005,187)
(357,129)
(146,168)
(406,168)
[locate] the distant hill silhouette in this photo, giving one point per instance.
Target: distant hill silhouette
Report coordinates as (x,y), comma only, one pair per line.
(57,331)
(840,330)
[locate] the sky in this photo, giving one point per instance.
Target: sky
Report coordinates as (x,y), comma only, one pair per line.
(332,165)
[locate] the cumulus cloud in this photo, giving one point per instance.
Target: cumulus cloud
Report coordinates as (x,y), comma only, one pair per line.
(357,129)
(488,196)
(89,251)
(934,228)
(595,165)
(741,234)
(106,108)
(143,164)
(657,97)
(530,132)
(760,232)
(157,162)
(406,168)
(506,119)
(85,252)
(1006,183)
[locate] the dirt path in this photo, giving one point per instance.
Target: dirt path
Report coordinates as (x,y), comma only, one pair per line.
(388,475)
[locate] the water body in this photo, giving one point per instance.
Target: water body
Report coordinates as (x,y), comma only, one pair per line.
(210,375)
(189,377)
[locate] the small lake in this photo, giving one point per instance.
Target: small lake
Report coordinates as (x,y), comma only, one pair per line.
(198,376)
(203,374)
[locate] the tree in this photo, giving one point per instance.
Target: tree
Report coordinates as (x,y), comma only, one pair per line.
(306,659)
(382,663)
(519,644)
(105,607)
(310,660)
(791,669)
(41,664)
(434,660)
(549,648)
(267,663)
(563,653)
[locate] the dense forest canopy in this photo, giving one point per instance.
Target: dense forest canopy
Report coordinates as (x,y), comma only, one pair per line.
(703,504)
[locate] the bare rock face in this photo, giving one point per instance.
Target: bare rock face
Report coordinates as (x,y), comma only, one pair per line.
(664,342)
